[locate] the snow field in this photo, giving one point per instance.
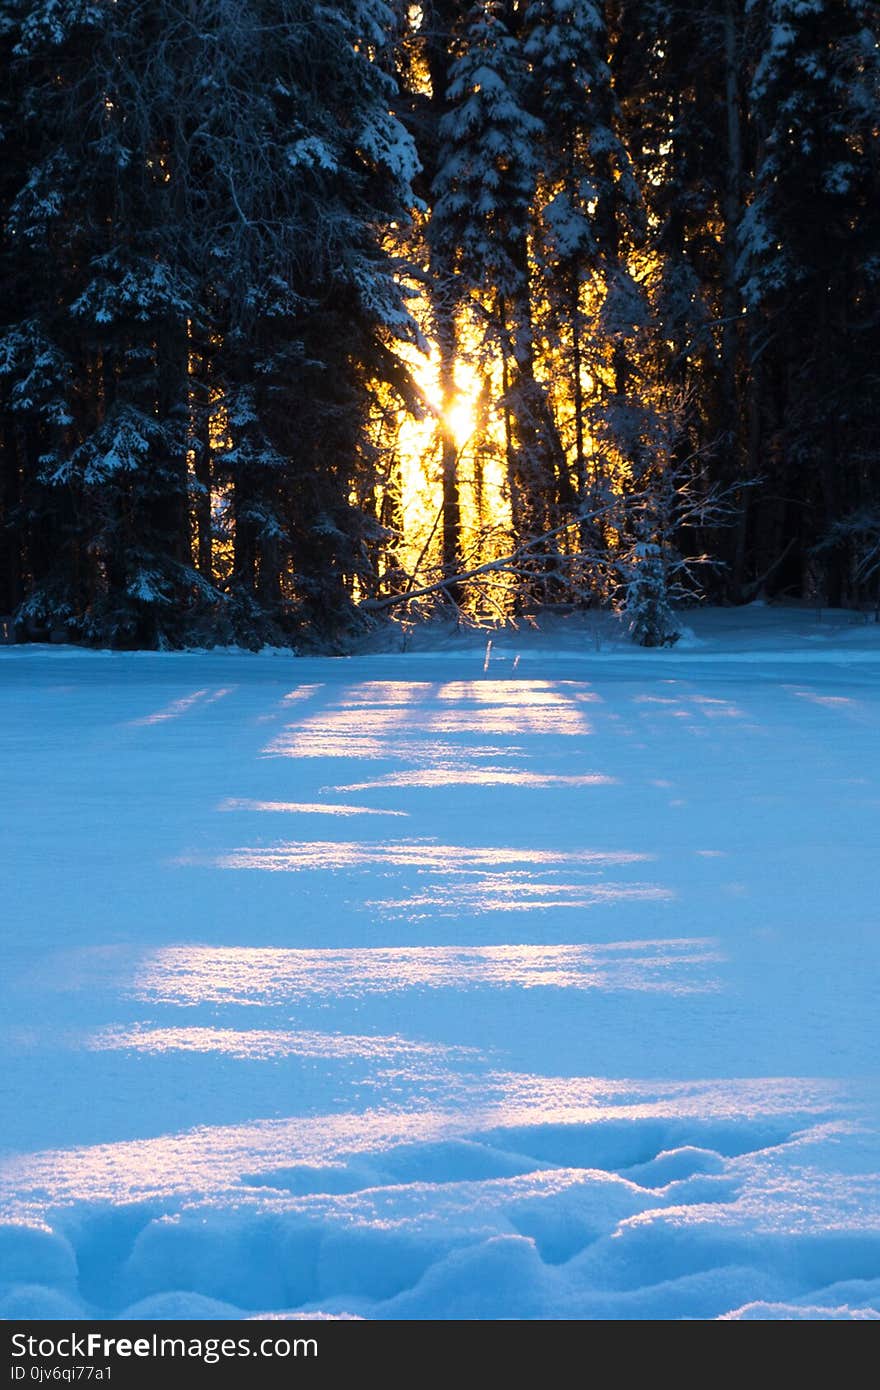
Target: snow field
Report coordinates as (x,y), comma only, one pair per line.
(395,987)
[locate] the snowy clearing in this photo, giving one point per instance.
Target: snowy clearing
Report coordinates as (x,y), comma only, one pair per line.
(536,983)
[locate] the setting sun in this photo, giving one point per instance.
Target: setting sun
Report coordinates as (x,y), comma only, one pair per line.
(459,420)
(459,415)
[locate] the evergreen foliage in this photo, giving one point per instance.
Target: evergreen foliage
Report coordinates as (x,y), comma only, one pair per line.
(654,225)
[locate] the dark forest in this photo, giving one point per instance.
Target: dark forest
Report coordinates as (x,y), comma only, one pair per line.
(318,315)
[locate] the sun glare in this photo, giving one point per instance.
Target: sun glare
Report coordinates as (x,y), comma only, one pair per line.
(476,432)
(460,420)
(459,415)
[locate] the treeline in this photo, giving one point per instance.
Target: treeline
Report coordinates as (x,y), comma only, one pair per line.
(232,229)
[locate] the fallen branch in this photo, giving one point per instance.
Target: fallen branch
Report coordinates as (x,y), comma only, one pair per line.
(504,563)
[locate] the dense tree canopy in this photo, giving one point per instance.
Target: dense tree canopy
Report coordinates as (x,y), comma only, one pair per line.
(315,311)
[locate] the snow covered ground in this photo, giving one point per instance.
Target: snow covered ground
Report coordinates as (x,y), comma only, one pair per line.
(539,983)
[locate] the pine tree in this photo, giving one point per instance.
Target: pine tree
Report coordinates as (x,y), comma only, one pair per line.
(206,308)
(564,43)
(661,217)
(482,216)
(591,223)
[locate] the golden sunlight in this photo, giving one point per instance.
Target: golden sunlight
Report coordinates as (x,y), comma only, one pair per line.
(459,415)
(471,419)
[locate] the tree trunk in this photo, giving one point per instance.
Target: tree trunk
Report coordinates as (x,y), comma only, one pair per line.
(445,332)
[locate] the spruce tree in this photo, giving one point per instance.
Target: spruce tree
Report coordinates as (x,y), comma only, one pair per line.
(482,216)
(205,308)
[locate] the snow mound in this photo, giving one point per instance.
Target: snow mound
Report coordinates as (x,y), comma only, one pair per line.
(521,1224)
(34,1254)
(35,1302)
(673,1165)
(790,1312)
(180,1306)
